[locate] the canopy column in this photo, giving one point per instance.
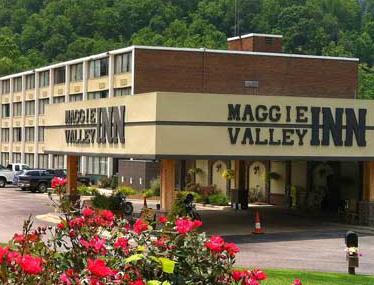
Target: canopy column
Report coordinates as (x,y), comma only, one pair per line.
(366,208)
(72,176)
(167,181)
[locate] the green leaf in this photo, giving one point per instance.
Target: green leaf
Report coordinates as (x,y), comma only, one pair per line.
(134,257)
(167,264)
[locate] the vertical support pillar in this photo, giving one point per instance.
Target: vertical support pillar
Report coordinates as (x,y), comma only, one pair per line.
(72,175)
(366,206)
(167,180)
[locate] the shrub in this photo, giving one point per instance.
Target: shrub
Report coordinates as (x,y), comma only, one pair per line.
(218,199)
(155,186)
(105,182)
(86,190)
(148,193)
(126,190)
(114,182)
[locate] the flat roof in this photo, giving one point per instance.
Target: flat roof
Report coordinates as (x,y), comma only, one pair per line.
(251,35)
(161,48)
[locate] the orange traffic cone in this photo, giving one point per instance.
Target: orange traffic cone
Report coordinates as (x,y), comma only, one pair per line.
(258,229)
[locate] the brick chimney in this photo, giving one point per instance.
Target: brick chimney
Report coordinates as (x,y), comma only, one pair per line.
(256,43)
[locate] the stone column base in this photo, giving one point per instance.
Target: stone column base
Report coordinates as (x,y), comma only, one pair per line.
(366,213)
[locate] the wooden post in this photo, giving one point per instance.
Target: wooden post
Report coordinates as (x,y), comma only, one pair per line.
(167,181)
(368,181)
(72,176)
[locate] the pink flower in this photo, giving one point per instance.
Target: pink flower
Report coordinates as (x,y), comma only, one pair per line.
(61,226)
(140,226)
(64,279)
(184,226)
(258,274)
(215,243)
(31,265)
(13,257)
(88,212)
(19,238)
(163,220)
(197,224)
(76,222)
(107,216)
(231,248)
(98,268)
(58,182)
(121,243)
(3,253)
(237,275)
(297,282)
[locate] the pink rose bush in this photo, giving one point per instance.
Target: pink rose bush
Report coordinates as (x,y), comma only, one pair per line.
(97,248)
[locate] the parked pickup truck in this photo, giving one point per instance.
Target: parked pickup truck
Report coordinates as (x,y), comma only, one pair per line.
(7,174)
(40,179)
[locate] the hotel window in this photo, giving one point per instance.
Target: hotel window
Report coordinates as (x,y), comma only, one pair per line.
(59,75)
(5,110)
(97,95)
(122,91)
(58,161)
(29,159)
(99,68)
(59,99)
(76,72)
(16,157)
(42,104)
(44,79)
(75,97)
(5,135)
(4,158)
(30,108)
(29,134)
(17,134)
(123,62)
(5,88)
(17,109)
(17,84)
(30,81)
(40,134)
(96,165)
(43,160)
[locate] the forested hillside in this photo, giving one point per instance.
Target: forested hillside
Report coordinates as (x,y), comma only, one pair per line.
(38,32)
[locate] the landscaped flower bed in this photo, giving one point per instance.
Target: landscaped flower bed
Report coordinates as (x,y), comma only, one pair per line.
(97,248)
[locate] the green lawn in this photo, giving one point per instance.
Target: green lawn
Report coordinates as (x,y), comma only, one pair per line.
(286,277)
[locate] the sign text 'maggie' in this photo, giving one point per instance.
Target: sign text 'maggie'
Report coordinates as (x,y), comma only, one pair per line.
(95,125)
(340,126)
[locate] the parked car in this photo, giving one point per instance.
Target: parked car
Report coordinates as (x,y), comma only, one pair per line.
(7,174)
(36,180)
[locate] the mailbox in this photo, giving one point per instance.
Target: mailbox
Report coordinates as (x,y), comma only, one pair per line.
(351,241)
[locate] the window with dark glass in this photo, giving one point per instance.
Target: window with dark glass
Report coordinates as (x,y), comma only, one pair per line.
(30,108)
(98,68)
(5,135)
(59,75)
(5,87)
(75,97)
(123,62)
(29,134)
(58,161)
(4,158)
(17,109)
(44,79)
(29,159)
(30,81)
(17,84)
(122,91)
(16,158)
(76,72)
(43,160)
(17,134)
(42,104)
(5,110)
(97,95)
(58,99)
(40,134)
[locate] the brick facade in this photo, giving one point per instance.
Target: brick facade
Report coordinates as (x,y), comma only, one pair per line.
(257,44)
(226,73)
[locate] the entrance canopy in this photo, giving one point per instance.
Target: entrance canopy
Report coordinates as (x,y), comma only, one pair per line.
(203,126)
